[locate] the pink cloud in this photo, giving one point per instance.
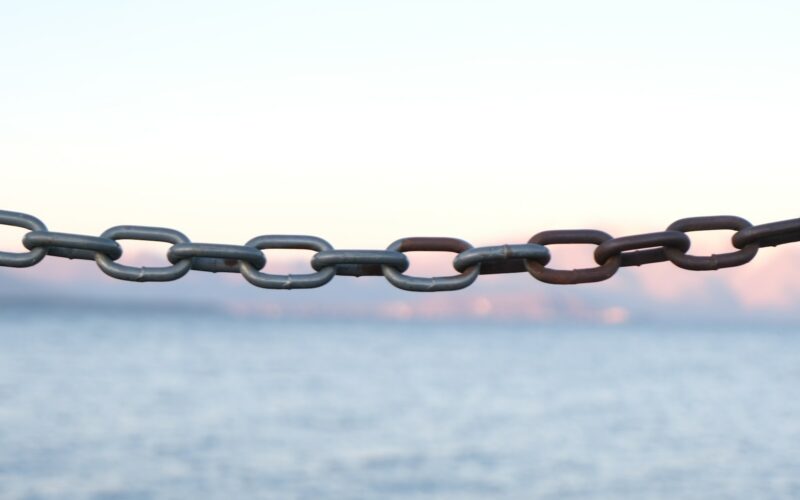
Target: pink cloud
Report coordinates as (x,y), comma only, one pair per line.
(771,281)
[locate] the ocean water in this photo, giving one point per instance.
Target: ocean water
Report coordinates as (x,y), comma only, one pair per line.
(176,406)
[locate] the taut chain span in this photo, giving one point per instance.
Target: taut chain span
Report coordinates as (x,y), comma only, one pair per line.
(469,262)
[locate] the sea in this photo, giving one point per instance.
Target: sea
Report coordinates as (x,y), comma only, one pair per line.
(123,405)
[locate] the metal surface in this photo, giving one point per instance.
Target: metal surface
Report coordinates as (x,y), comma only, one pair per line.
(435,284)
(501,258)
(288,281)
(392,263)
(572,276)
(216,258)
(632,251)
(72,246)
(715,261)
(25,221)
(359,262)
(768,235)
(143,233)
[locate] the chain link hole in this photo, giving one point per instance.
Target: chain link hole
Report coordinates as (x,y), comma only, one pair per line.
(709,242)
(288,261)
(138,253)
(571,256)
(428,263)
(11,239)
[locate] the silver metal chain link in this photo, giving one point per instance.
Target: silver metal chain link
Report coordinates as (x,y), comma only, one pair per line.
(469,262)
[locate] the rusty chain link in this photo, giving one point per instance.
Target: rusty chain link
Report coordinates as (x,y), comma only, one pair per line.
(469,262)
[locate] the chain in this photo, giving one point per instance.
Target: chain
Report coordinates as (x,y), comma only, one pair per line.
(469,262)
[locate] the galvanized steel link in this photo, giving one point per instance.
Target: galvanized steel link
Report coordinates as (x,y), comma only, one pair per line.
(25,221)
(142,274)
(248,259)
(287,281)
(215,257)
(435,284)
(72,246)
(359,262)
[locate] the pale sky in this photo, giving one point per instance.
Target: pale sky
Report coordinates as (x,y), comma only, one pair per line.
(362,122)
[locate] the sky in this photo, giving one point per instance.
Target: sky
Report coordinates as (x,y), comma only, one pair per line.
(363,122)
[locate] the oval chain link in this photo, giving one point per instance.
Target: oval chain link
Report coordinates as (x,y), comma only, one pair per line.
(572,276)
(438,283)
(143,274)
(715,261)
(288,281)
(25,221)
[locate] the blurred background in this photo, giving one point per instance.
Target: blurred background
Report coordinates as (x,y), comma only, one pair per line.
(364,122)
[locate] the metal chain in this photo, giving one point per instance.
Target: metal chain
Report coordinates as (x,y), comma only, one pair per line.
(469,262)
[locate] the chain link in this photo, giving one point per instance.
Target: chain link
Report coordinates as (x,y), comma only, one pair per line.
(142,274)
(714,261)
(249,259)
(436,284)
(641,249)
(25,221)
(768,235)
(72,246)
(288,281)
(216,258)
(572,276)
(501,259)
